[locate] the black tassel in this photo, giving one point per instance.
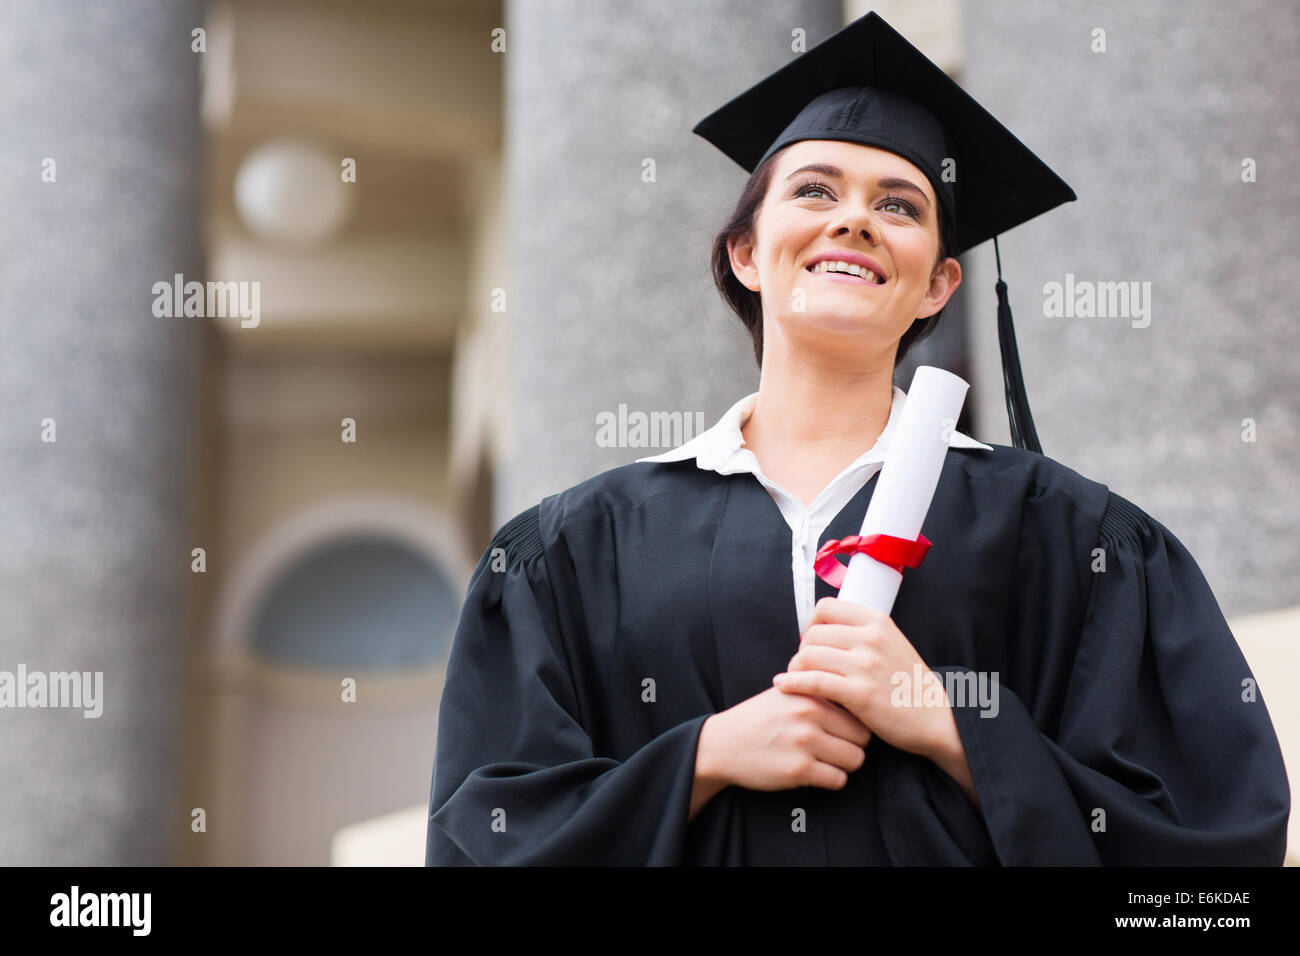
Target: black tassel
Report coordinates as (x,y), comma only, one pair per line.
(1023,433)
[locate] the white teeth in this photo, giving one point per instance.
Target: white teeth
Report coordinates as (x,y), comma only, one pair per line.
(836,265)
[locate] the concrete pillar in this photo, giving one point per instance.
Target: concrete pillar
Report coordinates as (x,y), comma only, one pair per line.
(610,298)
(1152,135)
(94,566)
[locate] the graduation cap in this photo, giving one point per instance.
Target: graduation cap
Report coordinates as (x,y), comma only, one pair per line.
(867,84)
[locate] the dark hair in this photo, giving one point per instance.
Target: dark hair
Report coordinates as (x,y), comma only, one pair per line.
(747,304)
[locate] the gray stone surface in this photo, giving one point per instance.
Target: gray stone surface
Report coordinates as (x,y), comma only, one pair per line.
(610,296)
(1151,134)
(94,566)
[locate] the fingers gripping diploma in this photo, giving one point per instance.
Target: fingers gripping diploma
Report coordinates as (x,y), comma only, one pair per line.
(849,655)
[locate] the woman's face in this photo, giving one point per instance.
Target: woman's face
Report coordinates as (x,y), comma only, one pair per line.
(861,205)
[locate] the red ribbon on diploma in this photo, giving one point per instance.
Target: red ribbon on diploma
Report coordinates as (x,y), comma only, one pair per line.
(897,553)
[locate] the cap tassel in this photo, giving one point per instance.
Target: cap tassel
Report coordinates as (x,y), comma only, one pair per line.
(1023,433)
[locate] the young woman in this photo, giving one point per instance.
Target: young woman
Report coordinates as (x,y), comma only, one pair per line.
(648,671)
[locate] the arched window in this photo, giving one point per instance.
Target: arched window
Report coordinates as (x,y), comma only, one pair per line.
(358,602)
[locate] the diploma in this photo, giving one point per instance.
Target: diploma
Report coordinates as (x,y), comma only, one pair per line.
(907,481)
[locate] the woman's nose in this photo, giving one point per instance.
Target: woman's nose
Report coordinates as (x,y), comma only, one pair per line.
(855,221)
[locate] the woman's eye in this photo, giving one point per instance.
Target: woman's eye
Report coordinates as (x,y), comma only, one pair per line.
(891,204)
(902,206)
(807,190)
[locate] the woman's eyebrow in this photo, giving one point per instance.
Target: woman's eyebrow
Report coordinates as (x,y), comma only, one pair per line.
(903,184)
(817,168)
(837,173)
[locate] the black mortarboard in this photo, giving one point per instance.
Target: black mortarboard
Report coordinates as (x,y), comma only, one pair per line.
(867,84)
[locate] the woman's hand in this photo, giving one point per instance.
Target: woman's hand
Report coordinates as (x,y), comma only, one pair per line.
(776,741)
(856,657)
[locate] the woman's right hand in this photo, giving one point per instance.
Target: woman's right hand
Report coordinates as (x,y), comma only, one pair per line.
(777,740)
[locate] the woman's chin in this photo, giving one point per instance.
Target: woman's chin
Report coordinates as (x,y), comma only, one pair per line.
(856,324)
(840,339)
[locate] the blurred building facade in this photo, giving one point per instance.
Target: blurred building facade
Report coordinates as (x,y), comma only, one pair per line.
(349,504)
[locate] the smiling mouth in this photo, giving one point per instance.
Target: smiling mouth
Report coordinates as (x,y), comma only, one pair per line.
(845,270)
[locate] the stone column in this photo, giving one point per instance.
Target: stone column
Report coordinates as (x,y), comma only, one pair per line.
(1152,134)
(94,567)
(609,298)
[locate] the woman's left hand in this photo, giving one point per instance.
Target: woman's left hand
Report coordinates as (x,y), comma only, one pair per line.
(858,658)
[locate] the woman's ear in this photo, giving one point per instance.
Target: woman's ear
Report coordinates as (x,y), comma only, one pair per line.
(944,282)
(741,253)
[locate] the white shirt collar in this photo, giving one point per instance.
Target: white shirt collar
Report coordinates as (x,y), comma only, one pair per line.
(722,447)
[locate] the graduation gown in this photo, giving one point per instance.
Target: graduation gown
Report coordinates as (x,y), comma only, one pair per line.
(605,624)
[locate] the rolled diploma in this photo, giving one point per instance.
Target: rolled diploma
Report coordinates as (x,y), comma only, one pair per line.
(908,478)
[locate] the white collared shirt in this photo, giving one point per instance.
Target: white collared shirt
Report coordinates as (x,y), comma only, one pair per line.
(722,449)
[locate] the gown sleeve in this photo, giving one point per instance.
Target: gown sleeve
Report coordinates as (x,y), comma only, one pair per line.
(1145,741)
(516,779)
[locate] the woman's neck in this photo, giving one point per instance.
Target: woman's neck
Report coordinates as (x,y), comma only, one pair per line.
(811,420)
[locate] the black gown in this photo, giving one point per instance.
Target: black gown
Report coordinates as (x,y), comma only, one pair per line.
(1120,691)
